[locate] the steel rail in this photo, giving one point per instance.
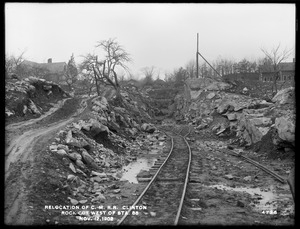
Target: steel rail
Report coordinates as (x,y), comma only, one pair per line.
(154,178)
(186,179)
(149,184)
(275,175)
(278,177)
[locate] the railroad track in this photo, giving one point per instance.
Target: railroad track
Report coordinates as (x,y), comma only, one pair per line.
(164,195)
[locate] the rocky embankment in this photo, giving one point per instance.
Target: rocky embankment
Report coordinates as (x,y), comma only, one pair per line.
(104,134)
(210,107)
(29,98)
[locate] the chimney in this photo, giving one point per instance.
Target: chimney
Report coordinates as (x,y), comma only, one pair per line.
(50,61)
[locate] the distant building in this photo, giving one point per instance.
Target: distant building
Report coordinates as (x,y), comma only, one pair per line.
(131,82)
(286,72)
(242,76)
(49,71)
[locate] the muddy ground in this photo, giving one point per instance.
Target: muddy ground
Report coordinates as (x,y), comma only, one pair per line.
(223,189)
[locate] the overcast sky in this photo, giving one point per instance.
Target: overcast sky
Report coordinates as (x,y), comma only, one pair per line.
(160,35)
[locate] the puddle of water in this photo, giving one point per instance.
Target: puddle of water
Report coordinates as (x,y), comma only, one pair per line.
(130,171)
(267,199)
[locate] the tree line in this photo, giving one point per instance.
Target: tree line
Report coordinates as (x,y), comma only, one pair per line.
(101,67)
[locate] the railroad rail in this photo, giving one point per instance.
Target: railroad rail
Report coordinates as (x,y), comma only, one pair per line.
(164,195)
(255,163)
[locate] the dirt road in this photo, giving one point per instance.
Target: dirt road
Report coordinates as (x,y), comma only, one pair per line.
(23,140)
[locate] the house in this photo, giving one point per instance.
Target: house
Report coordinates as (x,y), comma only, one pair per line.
(253,76)
(286,71)
(49,71)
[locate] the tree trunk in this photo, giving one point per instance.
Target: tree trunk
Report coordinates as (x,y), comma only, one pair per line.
(275,84)
(119,97)
(97,86)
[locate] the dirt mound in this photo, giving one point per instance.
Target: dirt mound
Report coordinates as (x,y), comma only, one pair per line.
(29,98)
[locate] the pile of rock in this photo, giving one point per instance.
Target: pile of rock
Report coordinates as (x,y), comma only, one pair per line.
(81,153)
(90,165)
(20,95)
(249,118)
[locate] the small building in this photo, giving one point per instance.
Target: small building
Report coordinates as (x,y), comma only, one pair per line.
(52,71)
(286,72)
(253,76)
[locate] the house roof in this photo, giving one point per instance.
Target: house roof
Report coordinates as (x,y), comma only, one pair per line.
(286,66)
(57,67)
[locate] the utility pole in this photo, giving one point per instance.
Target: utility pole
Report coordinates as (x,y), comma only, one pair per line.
(197,55)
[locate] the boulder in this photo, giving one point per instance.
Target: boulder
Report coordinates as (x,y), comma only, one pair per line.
(53,148)
(80,164)
(62,152)
(69,136)
(231,116)
(33,107)
(33,79)
(149,128)
(211,95)
(89,160)
(218,86)
(64,147)
(71,166)
(75,156)
(75,142)
(222,108)
(245,89)
(263,121)
(247,178)
(101,175)
(202,126)
(97,127)
(195,94)
(25,109)
(96,108)
(285,129)
(285,96)
(252,129)
(198,83)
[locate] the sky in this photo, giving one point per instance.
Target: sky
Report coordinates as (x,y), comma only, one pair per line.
(160,35)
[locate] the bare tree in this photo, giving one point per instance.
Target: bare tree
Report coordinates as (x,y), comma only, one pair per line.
(275,56)
(149,75)
(87,82)
(104,71)
(191,68)
(204,71)
(13,65)
(87,69)
(9,64)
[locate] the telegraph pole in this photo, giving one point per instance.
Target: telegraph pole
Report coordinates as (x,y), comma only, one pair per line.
(197,55)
